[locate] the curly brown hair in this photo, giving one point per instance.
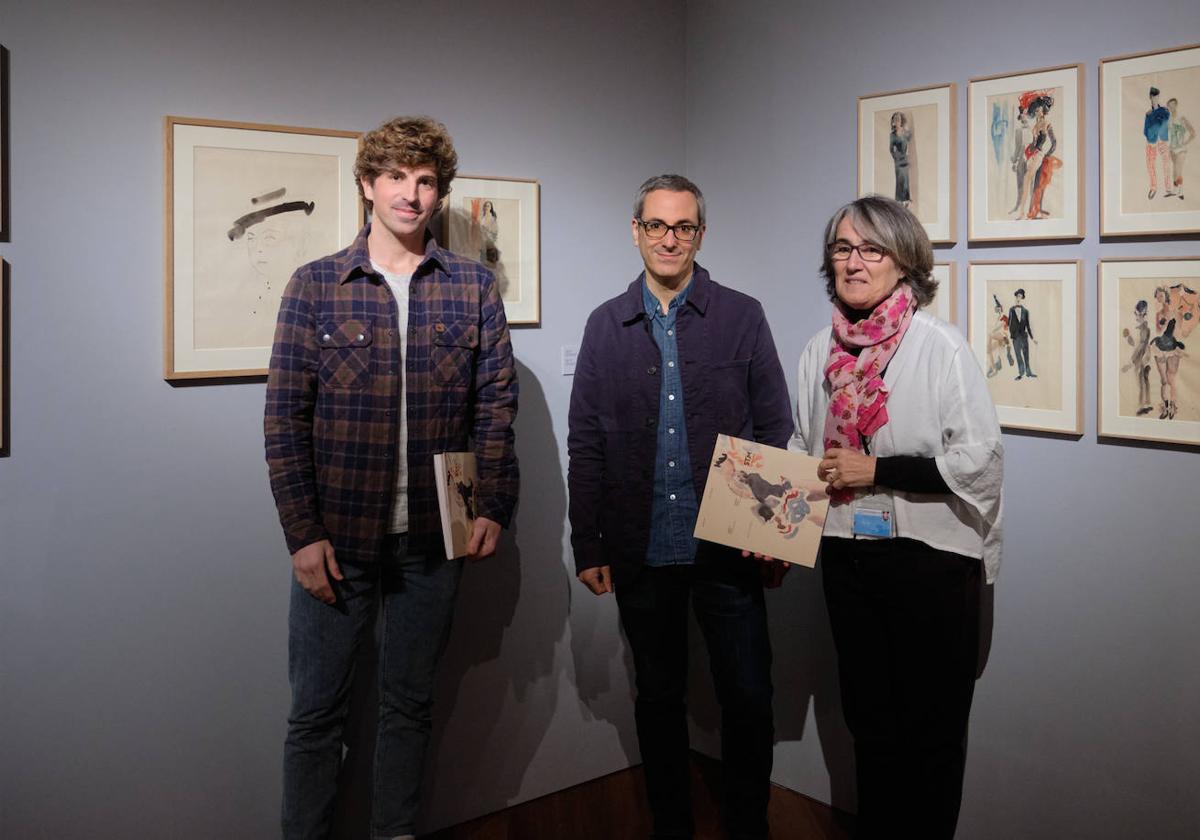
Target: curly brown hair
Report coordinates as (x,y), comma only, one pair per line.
(407,141)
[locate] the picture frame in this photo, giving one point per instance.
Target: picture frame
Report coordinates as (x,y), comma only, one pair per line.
(246,205)
(1140,94)
(906,151)
(945,301)
(5,222)
(1046,341)
(497,221)
(5,361)
(1025,155)
(1145,307)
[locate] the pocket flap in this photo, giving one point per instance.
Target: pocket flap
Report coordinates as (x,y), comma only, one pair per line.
(344,334)
(452,334)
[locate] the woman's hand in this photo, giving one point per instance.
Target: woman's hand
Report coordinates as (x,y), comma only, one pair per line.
(842,468)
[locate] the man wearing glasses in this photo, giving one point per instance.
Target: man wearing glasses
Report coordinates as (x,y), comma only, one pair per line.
(664,368)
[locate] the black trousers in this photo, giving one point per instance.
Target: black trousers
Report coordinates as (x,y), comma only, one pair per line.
(727,597)
(905,620)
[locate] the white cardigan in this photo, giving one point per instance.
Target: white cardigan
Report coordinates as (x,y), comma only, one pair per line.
(938,406)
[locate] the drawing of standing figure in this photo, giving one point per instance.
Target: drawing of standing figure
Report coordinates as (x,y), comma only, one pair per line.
(1167,352)
(1156,129)
(898,145)
(998,344)
(1139,362)
(1021,331)
(1040,162)
(489,226)
(1179,134)
(1019,164)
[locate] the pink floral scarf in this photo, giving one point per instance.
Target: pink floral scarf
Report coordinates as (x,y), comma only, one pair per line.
(858,402)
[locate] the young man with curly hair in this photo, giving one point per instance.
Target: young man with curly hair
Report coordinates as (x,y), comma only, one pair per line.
(385,354)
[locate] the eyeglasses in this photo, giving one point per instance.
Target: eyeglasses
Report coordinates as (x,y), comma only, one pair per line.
(655,229)
(867,251)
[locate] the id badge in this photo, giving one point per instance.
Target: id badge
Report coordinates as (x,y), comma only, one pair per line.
(873,517)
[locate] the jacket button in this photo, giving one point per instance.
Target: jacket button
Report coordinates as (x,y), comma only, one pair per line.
(652,370)
(650,421)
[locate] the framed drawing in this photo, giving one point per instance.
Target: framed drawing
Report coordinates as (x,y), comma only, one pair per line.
(1025,155)
(1024,326)
(4,220)
(906,151)
(497,221)
(246,204)
(1148,383)
(945,301)
(1149,118)
(5,347)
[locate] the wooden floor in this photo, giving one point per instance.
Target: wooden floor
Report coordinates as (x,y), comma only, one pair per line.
(615,806)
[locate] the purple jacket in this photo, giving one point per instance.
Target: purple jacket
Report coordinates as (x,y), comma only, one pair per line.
(732,384)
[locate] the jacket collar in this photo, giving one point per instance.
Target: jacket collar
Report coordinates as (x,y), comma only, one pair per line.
(632,306)
(357,258)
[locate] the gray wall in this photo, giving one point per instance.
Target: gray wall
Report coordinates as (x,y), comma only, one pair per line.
(144,593)
(1085,722)
(142,611)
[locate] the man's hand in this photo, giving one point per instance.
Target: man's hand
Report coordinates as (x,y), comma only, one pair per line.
(483,539)
(772,570)
(843,468)
(310,565)
(598,579)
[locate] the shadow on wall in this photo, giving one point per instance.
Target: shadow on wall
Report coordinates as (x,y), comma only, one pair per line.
(487,726)
(805,675)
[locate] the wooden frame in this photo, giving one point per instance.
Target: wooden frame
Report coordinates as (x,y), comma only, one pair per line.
(1051,400)
(487,219)
(1018,189)
(926,145)
(945,302)
(246,204)
(5,177)
(1133,200)
(1134,350)
(5,361)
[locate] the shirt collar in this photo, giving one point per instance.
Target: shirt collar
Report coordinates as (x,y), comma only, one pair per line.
(358,257)
(634,302)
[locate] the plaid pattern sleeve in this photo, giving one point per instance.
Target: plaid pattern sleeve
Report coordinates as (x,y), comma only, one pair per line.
(495,410)
(288,421)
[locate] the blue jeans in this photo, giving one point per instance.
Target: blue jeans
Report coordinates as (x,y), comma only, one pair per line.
(726,595)
(323,644)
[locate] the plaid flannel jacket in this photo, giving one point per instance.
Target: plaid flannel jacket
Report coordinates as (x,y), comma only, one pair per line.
(333,391)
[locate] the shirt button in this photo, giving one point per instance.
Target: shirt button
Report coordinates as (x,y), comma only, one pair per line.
(670,332)
(670,364)
(672,497)
(652,370)
(326,337)
(670,463)
(670,431)
(670,396)
(360,337)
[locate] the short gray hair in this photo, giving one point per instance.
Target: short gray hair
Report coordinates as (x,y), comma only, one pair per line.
(672,183)
(893,227)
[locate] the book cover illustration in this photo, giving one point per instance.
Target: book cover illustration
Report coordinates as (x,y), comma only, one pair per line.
(763,499)
(456,481)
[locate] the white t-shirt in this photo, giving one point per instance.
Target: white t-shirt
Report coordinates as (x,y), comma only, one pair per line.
(398,283)
(938,407)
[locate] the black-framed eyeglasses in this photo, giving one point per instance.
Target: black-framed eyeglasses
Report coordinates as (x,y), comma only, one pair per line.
(867,251)
(684,232)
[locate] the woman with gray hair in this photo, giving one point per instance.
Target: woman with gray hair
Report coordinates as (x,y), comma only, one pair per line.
(895,404)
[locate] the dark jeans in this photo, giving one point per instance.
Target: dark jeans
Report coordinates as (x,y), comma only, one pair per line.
(905,620)
(727,598)
(323,643)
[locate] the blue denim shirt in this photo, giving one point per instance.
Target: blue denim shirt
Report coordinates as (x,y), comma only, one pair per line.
(674,507)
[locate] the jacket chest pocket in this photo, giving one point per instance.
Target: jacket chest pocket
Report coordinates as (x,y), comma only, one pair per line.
(453,352)
(730,390)
(345,355)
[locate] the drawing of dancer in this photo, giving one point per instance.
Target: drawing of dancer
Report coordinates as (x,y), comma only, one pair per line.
(1019,163)
(1156,129)
(1167,352)
(1040,161)
(998,344)
(1179,134)
(1139,361)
